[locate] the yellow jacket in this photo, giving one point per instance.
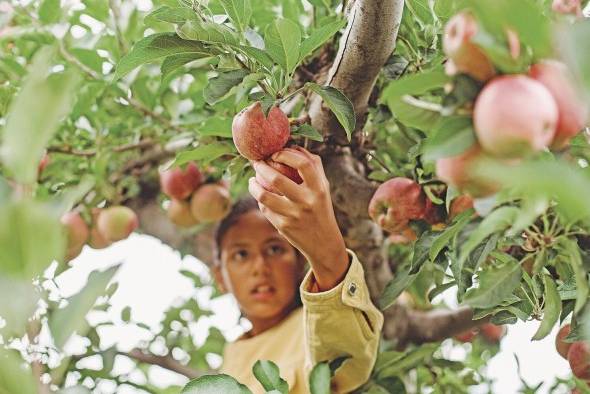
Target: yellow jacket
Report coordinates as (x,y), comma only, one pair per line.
(340,321)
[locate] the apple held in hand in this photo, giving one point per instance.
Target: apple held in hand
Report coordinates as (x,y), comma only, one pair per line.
(210,203)
(514,116)
(117,222)
(257,136)
(284,169)
(179,183)
(396,202)
(77,233)
(573,110)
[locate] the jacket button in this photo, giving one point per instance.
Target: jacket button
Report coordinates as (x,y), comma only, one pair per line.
(352,289)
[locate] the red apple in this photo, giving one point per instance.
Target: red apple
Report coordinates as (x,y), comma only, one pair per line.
(562,346)
(515,115)
(256,136)
(492,333)
(433,213)
(97,240)
(579,358)
(396,202)
(179,213)
(458,172)
(466,336)
(210,203)
(77,233)
(117,222)
(573,109)
(459,205)
(467,57)
(178,183)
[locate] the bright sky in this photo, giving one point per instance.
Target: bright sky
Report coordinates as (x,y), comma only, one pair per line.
(149,281)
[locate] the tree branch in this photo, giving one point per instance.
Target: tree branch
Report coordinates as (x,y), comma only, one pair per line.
(166,362)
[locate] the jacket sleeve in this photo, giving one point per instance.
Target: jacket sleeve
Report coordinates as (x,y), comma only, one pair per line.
(342,321)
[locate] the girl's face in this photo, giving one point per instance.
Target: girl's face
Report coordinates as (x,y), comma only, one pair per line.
(259,267)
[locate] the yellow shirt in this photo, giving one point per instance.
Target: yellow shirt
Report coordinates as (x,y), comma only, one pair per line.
(340,321)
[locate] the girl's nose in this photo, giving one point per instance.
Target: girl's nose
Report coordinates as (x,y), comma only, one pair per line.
(260,265)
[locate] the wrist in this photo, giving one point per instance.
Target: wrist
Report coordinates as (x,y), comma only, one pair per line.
(330,266)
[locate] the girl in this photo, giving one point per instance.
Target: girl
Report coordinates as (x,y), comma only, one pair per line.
(262,248)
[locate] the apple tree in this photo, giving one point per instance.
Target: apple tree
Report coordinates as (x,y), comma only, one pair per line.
(453,133)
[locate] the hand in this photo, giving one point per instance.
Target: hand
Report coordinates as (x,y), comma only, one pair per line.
(303,213)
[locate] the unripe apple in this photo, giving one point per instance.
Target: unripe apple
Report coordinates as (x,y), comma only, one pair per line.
(573,109)
(179,213)
(562,346)
(284,169)
(117,222)
(492,333)
(178,183)
(579,358)
(210,203)
(256,136)
(515,115)
(77,233)
(396,202)
(459,205)
(467,57)
(573,7)
(466,336)
(97,240)
(458,171)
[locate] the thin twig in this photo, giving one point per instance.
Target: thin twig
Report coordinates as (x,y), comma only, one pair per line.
(145,143)
(165,362)
(116,17)
(381,163)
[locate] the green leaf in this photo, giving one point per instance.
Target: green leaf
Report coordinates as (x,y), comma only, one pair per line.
(339,104)
(171,14)
(444,239)
(72,318)
(452,136)
(239,11)
(269,376)
(422,250)
(282,41)
(15,374)
(395,287)
(49,11)
(205,153)
(75,390)
(495,285)
(576,49)
(308,131)
(35,115)
(207,32)
(320,36)
(174,62)
(126,314)
(215,384)
(497,221)
(155,47)
(580,274)
(23,253)
(551,310)
(319,379)
(216,126)
(409,360)
(415,84)
(218,87)
(16,313)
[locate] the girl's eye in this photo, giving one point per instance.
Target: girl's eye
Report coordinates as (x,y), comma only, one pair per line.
(239,255)
(274,250)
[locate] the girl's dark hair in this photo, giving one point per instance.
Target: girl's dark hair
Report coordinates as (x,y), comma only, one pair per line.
(240,207)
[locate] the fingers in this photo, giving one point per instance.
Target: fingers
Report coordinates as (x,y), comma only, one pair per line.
(274,202)
(276,182)
(304,162)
